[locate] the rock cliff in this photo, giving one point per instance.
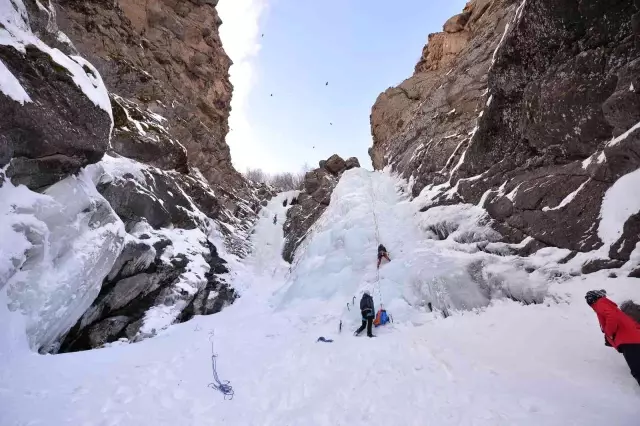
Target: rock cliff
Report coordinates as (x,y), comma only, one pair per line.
(117,189)
(529,109)
(165,55)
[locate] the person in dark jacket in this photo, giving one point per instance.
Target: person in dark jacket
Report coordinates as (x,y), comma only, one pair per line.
(620,330)
(368,314)
(382,253)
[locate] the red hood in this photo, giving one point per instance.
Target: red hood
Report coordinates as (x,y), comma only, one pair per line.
(602,303)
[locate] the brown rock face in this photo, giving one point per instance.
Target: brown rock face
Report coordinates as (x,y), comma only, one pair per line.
(457,23)
(165,55)
(445,93)
(516,111)
(335,164)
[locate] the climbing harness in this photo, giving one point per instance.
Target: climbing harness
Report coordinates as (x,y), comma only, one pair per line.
(221,386)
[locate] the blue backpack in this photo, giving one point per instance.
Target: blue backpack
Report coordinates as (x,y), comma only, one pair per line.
(382,318)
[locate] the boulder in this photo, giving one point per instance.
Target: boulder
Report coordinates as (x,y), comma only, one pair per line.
(632,309)
(107,330)
(600,264)
(335,164)
(316,178)
(352,163)
(457,23)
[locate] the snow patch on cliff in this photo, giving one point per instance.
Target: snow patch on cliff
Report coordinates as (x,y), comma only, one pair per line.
(10,86)
(16,32)
(620,202)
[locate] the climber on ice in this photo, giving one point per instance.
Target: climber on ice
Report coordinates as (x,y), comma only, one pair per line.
(368,314)
(382,253)
(620,330)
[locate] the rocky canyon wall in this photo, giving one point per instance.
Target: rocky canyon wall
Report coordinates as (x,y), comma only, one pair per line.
(531,110)
(117,193)
(167,56)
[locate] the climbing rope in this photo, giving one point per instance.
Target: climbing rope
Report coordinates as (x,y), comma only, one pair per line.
(373,210)
(221,386)
(377,229)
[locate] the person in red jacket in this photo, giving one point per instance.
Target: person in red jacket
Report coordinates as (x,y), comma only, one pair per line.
(620,330)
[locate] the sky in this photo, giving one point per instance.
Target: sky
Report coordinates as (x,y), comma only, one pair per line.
(286,51)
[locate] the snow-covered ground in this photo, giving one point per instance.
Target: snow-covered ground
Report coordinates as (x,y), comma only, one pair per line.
(493,361)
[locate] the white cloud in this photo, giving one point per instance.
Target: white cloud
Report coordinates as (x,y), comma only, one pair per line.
(241,37)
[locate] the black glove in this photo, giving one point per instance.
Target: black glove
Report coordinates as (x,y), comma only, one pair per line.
(606,342)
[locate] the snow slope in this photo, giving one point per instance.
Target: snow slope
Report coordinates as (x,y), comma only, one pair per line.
(493,361)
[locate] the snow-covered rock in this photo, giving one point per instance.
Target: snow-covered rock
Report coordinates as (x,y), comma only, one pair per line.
(171,267)
(55,107)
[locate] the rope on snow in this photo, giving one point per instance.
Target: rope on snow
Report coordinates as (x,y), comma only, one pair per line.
(223,387)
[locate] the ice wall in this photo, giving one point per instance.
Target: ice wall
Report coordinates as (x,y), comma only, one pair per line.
(56,249)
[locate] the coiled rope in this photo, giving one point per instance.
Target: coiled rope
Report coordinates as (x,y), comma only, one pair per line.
(223,387)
